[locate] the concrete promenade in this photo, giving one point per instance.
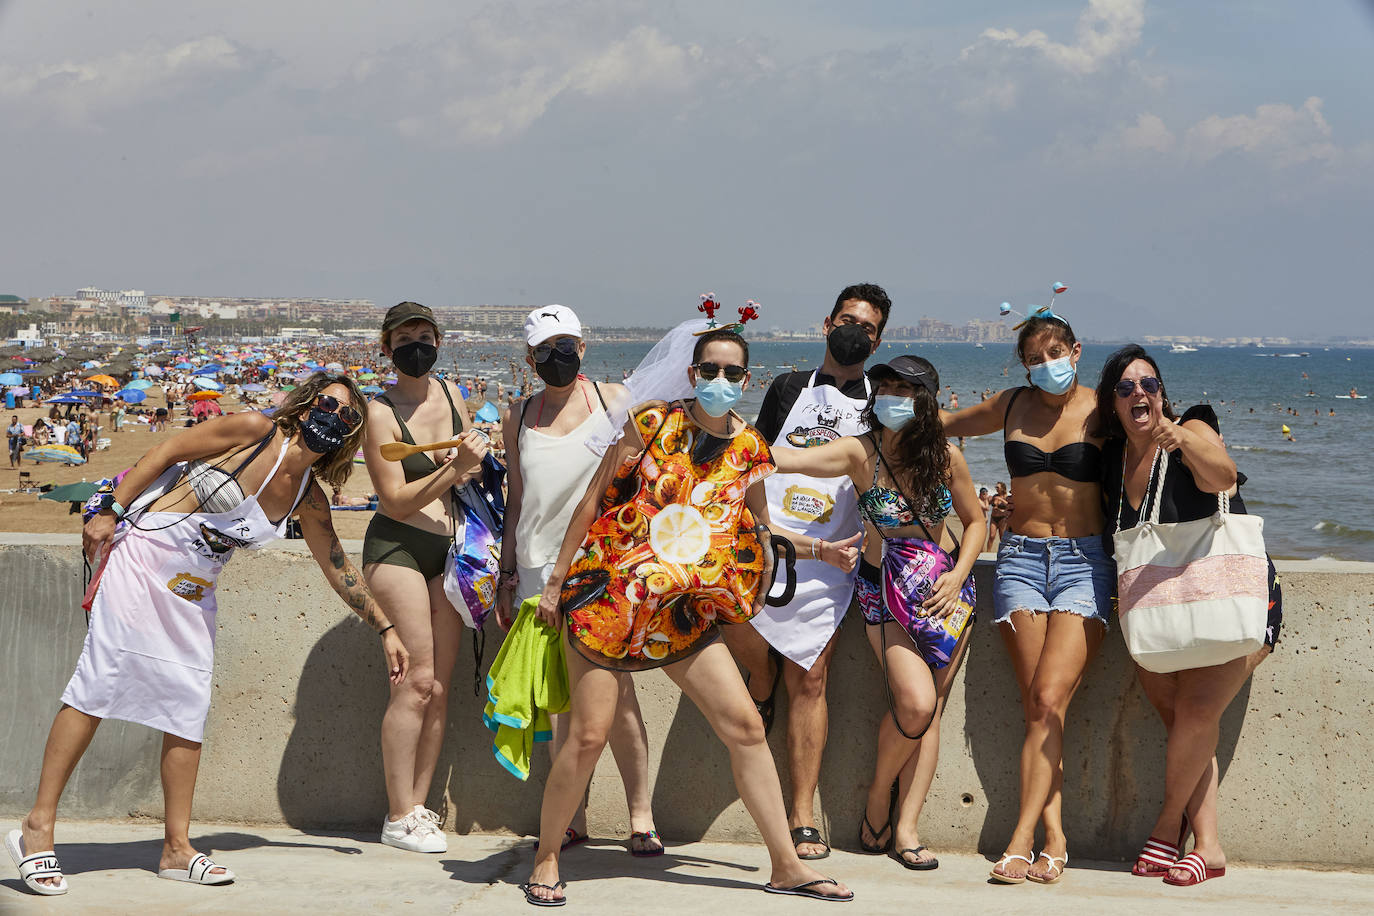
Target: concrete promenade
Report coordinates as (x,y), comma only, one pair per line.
(281,870)
(292,738)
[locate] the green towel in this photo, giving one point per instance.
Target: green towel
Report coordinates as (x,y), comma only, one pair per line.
(527,683)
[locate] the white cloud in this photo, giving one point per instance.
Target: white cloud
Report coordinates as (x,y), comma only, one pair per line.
(1149,133)
(77,91)
(1280,133)
(1105,30)
(497,75)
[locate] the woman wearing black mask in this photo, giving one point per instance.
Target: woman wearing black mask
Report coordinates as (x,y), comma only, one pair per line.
(404,553)
(158,541)
(549,467)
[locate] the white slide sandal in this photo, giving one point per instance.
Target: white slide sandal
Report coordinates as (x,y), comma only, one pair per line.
(197,872)
(39,865)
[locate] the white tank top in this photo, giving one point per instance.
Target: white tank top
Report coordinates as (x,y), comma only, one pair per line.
(555,471)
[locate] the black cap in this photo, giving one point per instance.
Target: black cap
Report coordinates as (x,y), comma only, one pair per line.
(402,312)
(911,369)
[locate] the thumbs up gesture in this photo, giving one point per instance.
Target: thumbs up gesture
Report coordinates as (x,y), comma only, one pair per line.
(844,554)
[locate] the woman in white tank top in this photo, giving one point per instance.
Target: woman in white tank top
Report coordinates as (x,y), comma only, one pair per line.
(548,468)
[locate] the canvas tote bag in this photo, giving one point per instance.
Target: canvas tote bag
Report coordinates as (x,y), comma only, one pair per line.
(1192,594)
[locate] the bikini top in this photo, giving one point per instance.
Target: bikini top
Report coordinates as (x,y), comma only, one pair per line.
(216,489)
(421,464)
(886,507)
(1077,461)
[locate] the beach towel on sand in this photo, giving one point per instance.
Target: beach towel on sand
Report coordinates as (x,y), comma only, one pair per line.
(527,683)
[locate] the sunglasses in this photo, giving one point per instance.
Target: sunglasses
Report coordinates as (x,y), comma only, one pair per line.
(709,371)
(1126,387)
(567,346)
(330,404)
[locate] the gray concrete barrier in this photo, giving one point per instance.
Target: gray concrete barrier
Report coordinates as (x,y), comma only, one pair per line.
(299,692)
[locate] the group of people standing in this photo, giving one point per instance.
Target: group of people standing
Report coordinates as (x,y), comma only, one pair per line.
(643,552)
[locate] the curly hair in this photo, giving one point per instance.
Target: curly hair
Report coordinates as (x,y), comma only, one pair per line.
(920,463)
(334,467)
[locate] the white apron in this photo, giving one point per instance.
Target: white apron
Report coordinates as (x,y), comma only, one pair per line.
(825,508)
(151,645)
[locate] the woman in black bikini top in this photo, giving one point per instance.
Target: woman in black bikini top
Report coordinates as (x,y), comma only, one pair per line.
(1054,580)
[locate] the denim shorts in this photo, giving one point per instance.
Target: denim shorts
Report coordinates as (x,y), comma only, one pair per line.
(1075,575)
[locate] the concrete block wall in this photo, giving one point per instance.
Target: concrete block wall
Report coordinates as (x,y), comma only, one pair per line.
(299,693)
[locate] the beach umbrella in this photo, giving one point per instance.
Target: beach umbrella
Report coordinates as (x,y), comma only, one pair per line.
(139,384)
(269,365)
(131,396)
(205,383)
(206,409)
(253,386)
(358,457)
(60,453)
(183,366)
(90,364)
(204,396)
(85,393)
(334,367)
(11,378)
(64,399)
(104,381)
(19,389)
(154,370)
(488,413)
(372,389)
(77,492)
(209,369)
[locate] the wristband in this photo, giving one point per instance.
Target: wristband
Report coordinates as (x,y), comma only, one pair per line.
(816,546)
(390,626)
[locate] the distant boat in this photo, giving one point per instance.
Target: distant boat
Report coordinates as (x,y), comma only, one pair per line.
(1182,348)
(980,346)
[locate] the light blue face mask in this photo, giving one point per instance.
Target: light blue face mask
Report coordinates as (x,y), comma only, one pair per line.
(1053,377)
(717,396)
(893,412)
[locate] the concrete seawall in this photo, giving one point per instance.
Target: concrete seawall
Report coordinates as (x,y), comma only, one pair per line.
(299,692)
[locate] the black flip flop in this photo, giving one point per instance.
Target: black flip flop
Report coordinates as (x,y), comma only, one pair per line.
(540,901)
(900,856)
(805,890)
(809,835)
(875,849)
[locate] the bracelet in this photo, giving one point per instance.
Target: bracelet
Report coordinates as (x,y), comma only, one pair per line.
(816,546)
(390,626)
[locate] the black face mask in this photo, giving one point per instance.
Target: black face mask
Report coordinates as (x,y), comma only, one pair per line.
(414,359)
(849,344)
(558,370)
(323,432)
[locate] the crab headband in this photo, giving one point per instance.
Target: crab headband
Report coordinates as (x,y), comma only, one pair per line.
(710,305)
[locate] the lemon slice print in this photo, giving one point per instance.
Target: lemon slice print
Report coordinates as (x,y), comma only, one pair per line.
(678,534)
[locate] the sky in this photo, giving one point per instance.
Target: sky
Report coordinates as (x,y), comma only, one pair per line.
(1186,168)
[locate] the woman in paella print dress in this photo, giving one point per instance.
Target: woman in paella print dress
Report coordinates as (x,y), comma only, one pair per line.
(670,540)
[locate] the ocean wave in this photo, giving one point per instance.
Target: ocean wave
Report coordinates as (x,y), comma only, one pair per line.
(1271,503)
(1344,532)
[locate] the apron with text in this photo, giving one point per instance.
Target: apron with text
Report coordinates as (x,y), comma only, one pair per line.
(150,650)
(818,507)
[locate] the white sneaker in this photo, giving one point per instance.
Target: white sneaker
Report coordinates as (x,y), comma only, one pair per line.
(414,834)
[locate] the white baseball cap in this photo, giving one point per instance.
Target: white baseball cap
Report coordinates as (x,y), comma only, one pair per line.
(551,321)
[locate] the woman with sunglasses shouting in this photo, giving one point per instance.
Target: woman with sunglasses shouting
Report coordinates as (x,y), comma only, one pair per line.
(548,468)
(158,540)
(1145,440)
(404,552)
(1054,583)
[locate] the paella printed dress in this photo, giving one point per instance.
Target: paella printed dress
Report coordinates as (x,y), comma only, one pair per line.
(673,552)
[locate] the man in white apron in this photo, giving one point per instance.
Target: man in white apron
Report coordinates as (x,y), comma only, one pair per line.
(802,409)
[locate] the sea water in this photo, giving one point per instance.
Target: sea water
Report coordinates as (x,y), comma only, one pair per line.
(1314,493)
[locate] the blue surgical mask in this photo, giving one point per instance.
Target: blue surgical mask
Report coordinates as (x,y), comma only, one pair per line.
(1053,377)
(893,412)
(717,396)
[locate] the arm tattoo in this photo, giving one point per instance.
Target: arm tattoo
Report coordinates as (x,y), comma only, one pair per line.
(355,593)
(336,554)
